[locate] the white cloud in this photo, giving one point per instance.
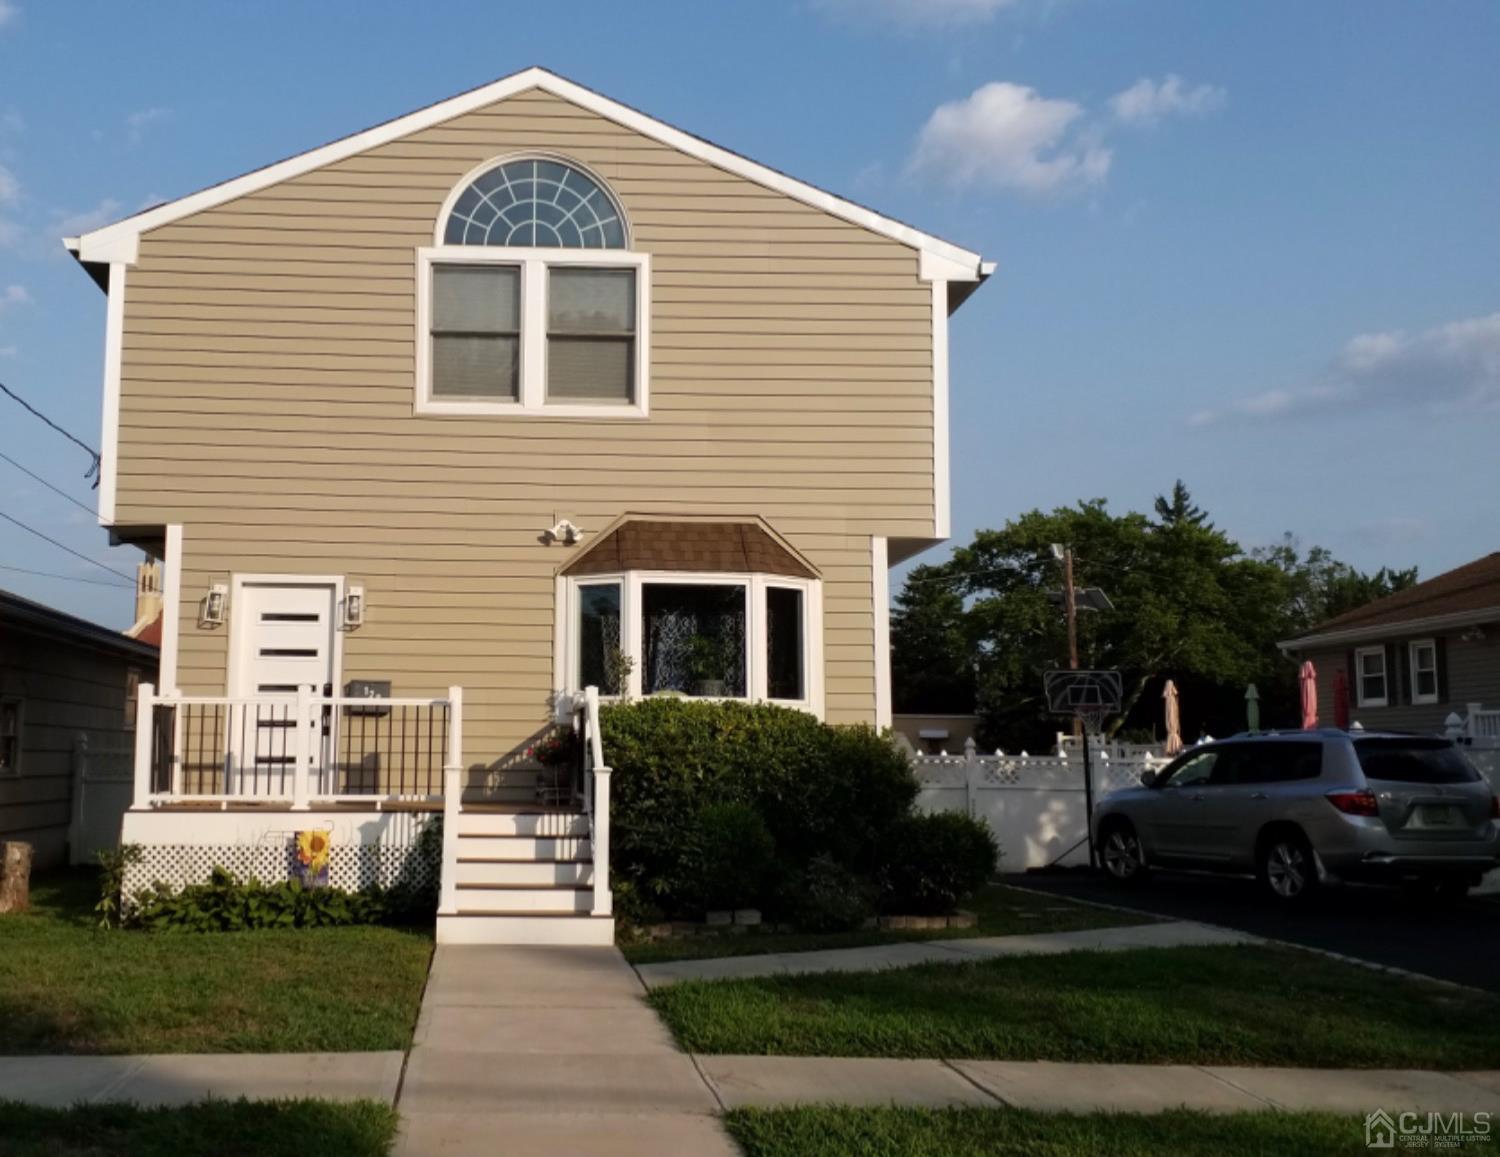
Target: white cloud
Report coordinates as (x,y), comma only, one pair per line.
(10,188)
(71,224)
(914,13)
(1147,101)
(7,351)
(13,295)
(138,122)
(1008,136)
(8,12)
(12,123)
(1453,367)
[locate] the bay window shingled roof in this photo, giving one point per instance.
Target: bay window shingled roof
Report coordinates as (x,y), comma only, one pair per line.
(707,547)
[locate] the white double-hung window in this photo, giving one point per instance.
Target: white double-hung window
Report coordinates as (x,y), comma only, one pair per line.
(532,303)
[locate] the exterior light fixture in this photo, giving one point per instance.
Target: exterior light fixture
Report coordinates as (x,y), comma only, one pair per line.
(564,532)
(215,605)
(354,608)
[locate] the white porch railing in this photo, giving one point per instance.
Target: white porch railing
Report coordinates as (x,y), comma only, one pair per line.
(293,750)
(595,785)
(1479,723)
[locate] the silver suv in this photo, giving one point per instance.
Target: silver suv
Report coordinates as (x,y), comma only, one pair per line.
(1301,808)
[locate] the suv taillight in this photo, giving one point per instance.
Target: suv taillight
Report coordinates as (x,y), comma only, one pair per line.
(1355,803)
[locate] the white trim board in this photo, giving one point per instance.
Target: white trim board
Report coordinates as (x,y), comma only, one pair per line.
(171,609)
(880,598)
(119,241)
(109,427)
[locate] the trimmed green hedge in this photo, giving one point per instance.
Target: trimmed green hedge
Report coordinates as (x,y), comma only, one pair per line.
(820,790)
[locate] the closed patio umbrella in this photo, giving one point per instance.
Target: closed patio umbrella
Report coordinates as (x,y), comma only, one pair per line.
(1174,719)
(1308,678)
(1252,707)
(1341,701)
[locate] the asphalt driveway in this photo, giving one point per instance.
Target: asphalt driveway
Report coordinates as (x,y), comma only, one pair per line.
(1458,941)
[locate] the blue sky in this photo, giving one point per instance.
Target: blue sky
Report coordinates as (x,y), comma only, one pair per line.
(1256,246)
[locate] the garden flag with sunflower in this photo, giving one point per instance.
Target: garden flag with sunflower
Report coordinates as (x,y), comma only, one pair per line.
(312,858)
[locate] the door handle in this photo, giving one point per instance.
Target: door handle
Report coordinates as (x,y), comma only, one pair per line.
(1257,795)
(1196,798)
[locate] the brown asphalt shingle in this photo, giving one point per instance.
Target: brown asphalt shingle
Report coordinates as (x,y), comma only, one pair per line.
(1472,587)
(710,547)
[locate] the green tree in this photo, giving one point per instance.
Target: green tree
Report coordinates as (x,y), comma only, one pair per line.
(1190,604)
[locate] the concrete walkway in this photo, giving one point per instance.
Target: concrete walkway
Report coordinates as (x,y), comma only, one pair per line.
(769,1082)
(1169,934)
(544,1051)
(182,1079)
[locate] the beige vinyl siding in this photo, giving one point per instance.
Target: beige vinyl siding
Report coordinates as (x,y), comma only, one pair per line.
(1472,675)
(267,391)
(67,690)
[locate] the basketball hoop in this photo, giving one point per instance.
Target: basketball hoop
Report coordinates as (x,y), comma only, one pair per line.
(1088,696)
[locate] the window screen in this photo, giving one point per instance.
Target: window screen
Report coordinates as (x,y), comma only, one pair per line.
(591,334)
(476,331)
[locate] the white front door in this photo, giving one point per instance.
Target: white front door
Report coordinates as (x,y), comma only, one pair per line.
(283,638)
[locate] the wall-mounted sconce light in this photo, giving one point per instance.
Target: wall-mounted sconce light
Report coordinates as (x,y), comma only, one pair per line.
(215,606)
(1473,635)
(354,608)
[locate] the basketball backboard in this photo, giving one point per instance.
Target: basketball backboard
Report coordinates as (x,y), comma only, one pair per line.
(1083,692)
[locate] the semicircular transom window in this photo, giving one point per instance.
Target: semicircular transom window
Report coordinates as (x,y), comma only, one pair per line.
(540,203)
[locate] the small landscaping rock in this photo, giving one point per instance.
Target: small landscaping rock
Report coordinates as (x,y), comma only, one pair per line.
(747,916)
(962,919)
(716,919)
(658,931)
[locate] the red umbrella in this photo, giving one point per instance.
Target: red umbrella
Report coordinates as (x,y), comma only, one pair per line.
(1341,701)
(1308,677)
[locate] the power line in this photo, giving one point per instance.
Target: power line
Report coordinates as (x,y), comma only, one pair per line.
(69,549)
(71,578)
(93,470)
(48,485)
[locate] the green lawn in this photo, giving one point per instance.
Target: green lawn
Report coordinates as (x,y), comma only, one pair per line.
(68,987)
(826,1132)
(211,1129)
(1002,911)
(1212,1005)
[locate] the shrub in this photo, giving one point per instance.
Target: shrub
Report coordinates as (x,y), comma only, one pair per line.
(228,904)
(819,789)
(735,854)
(828,897)
(934,861)
(113,864)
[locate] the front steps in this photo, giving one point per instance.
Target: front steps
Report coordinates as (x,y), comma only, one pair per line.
(525,875)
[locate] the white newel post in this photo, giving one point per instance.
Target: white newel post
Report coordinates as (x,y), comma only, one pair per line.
(603,897)
(971,775)
(453,789)
(302,747)
(145,726)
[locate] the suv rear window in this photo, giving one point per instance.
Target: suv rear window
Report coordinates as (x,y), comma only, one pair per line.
(1413,761)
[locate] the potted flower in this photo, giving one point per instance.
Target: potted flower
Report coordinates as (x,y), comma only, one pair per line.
(707,659)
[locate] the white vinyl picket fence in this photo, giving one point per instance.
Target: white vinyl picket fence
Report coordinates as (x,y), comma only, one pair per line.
(1035,804)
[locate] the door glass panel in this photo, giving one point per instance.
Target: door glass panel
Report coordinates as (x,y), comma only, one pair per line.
(784,644)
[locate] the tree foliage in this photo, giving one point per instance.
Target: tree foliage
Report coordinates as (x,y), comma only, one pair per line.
(1190,604)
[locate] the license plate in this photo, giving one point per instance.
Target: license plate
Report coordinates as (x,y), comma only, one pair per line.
(1437,816)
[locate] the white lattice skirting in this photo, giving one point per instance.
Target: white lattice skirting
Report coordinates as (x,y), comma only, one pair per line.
(350,867)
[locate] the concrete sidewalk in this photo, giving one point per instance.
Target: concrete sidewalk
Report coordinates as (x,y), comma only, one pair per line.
(769,1082)
(183,1079)
(541,1050)
(1169,934)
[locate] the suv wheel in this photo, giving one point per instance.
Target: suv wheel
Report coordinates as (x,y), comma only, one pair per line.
(1120,853)
(1287,868)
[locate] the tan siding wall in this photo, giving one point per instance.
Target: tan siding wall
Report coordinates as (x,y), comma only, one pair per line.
(1473,676)
(267,405)
(67,690)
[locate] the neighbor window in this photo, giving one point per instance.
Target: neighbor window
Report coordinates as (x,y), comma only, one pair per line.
(698,636)
(1424,671)
(10,736)
(532,303)
(1370,677)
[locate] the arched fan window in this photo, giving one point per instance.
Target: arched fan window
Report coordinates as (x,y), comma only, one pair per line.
(535,202)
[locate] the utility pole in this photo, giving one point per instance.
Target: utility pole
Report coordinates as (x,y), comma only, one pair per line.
(1070,606)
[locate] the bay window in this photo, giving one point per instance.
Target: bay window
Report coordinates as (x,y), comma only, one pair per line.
(716,636)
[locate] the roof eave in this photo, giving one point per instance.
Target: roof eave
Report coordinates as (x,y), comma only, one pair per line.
(1387,629)
(119,241)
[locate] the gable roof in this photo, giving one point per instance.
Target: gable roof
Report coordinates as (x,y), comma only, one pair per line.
(117,242)
(1469,594)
